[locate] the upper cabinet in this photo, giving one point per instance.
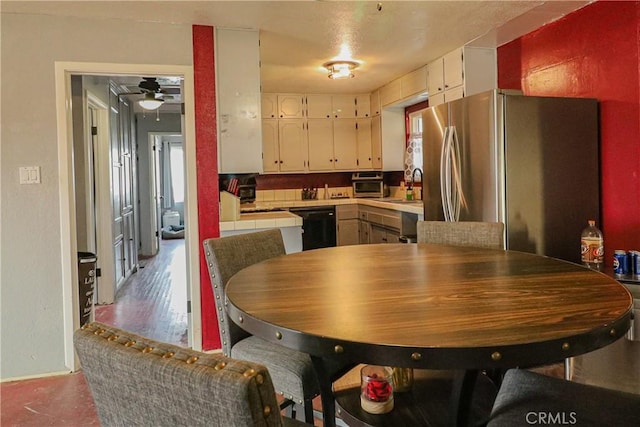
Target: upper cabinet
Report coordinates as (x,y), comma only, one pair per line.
(363,106)
(239,110)
(462,72)
(269,105)
(404,88)
(344,106)
(291,106)
(319,106)
(374,104)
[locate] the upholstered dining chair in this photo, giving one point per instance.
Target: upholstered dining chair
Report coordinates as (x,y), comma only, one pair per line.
(462,233)
(292,371)
(136,381)
(528,398)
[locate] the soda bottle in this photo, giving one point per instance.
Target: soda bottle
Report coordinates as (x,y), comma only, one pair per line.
(592,247)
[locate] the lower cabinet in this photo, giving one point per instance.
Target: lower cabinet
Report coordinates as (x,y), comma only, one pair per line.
(348,225)
(380,234)
(379,225)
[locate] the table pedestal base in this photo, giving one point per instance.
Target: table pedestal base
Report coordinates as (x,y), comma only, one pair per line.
(426,404)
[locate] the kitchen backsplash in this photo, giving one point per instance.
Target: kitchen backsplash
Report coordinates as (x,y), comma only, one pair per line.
(317,180)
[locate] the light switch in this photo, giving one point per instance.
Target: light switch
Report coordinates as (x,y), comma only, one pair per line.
(29,175)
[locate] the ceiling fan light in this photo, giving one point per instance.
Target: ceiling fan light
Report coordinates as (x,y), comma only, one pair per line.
(150,102)
(340,69)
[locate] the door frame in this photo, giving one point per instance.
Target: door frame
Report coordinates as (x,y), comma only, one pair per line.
(68,242)
(101,179)
(153,139)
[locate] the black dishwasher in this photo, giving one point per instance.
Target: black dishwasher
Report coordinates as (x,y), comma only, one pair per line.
(318,226)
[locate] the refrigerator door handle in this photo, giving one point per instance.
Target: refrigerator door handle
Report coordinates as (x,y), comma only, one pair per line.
(448,192)
(458,199)
(444,192)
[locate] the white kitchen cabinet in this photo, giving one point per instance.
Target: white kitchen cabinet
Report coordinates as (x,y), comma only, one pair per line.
(344,106)
(345,146)
(292,141)
(391,93)
(363,106)
(269,105)
(270,146)
(291,106)
(462,72)
(320,137)
(414,83)
(319,106)
(376,142)
(363,136)
(375,103)
(238,95)
(453,69)
(453,94)
(393,139)
(435,77)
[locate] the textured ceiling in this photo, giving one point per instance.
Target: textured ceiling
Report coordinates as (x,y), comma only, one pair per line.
(388,38)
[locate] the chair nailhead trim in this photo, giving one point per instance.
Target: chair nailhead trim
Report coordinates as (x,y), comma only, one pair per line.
(259,379)
(267,410)
(192,359)
(168,355)
(129,343)
(147,350)
(219,366)
(112,338)
(249,373)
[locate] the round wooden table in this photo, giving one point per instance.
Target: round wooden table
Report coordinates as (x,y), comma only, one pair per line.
(428,306)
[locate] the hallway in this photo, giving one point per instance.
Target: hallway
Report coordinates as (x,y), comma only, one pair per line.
(153,301)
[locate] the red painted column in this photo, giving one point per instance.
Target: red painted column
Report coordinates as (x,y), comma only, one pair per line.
(206,170)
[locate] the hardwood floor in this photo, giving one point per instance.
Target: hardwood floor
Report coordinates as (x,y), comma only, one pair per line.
(153,301)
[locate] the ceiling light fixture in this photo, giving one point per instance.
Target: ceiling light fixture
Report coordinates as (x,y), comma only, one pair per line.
(150,102)
(340,69)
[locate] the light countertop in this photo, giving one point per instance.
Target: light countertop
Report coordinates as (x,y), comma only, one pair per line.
(282,219)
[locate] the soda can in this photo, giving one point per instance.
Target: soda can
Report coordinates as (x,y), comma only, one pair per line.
(620,262)
(634,263)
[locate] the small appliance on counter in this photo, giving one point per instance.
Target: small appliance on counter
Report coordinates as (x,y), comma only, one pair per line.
(368,184)
(240,185)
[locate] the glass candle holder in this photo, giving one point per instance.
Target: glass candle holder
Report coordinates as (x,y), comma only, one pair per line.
(402,379)
(376,389)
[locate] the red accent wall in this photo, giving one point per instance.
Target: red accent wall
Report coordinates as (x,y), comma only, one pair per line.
(593,53)
(206,170)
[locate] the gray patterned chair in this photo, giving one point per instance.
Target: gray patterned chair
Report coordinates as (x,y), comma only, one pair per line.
(292,371)
(136,381)
(528,398)
(462,233)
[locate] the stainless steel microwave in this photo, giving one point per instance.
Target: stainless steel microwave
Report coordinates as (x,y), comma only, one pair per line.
(367,184)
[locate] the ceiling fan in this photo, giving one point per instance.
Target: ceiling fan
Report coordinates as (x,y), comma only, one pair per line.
(153,93)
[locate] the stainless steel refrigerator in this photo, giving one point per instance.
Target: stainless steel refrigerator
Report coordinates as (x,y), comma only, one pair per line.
(529,162)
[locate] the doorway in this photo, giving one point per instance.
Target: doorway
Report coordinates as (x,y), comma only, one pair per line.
(69,227)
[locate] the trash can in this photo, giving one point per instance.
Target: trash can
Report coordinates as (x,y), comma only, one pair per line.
(86,284)
(408,239)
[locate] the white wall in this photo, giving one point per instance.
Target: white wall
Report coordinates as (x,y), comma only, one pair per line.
(31,315)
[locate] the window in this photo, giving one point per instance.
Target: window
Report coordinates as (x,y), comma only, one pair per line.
(177,172)
(413,154)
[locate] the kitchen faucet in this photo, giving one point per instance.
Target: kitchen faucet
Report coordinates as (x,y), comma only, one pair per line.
(413,179)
